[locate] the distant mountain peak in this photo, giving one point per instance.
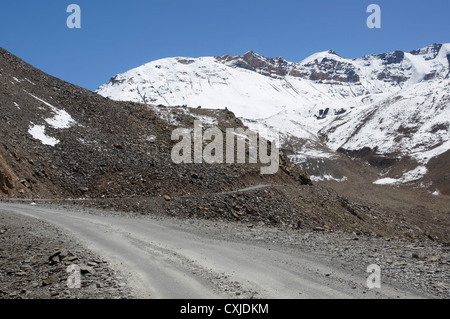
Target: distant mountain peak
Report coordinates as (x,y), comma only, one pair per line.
(180,80)
(395,103)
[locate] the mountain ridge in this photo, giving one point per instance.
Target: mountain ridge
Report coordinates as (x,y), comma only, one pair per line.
(310,102)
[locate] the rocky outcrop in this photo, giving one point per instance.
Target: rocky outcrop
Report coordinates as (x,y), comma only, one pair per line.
(6,178)
(392,58)
(5,182)
(430,51)
(328,69)
(294,170)
(257,63)
(448,58)
(370,155)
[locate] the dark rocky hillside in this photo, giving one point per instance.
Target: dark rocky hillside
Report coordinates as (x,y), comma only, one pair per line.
(111,149)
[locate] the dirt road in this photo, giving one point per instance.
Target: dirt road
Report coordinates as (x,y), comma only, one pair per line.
(167,260)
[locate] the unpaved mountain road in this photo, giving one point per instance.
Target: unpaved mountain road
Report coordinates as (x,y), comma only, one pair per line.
(171,260)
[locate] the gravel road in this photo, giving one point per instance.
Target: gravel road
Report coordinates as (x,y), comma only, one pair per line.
(164,258)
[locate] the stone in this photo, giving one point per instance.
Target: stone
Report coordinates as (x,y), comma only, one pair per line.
(118,146)
(84,269)
(84,189)
(50,280)
(434,258)
(72,258)
(54,260)
(58,255)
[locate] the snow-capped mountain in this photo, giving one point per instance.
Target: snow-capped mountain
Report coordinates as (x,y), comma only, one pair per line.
(256,87)
(397,104)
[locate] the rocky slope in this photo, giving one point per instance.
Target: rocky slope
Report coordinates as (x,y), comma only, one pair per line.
(59,140)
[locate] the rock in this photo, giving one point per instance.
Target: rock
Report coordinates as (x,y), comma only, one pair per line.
(84,269)
(84,189)
(92,264)
(235,215)
(118,146)
(442,285)
(434,258)
(72,259)
(50,280)
(167,198)
(54,260)
(58,256)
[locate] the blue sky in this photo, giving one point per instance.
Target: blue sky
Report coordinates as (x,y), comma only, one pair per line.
(119,35)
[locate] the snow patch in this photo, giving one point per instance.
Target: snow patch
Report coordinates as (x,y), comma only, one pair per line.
(386,181)
(408,177)
(426,156)
(38,133)
(61,120)
(328,178)
(30,82)
(420,67)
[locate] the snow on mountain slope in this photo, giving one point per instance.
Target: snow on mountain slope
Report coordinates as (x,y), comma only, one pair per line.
(209,83)
(256,87)
(409,122)
(396,103)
